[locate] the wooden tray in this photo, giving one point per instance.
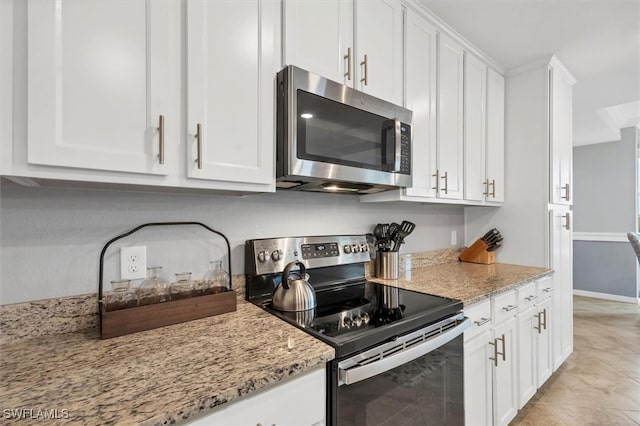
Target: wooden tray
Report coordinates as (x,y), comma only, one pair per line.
(141,318)
(478,253)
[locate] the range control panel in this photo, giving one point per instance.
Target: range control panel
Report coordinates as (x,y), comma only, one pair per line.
(266,256)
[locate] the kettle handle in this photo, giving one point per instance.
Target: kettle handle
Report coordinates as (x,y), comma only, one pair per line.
(287,270)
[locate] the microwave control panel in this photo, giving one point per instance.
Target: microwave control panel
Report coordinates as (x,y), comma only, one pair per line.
(405,149)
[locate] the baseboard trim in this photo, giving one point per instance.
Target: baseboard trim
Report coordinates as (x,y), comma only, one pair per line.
(613,297)
(613,237)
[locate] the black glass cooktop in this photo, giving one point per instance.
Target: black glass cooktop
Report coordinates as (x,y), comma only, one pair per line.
(356,316)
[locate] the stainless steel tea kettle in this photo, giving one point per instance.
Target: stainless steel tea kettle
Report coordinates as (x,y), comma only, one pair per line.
(294,295)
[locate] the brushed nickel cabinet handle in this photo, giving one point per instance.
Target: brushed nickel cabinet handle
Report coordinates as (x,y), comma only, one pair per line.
(495,352)
(347,57)
(486,186)
(365,65)
(493,188)
(567,221)
(509,307)
(539,327)
(504,348)
(566,189)
(530,298)
(161,139)
(548,290)
(199,144)
(446,182)
(437,176)
(544,315)
(482,321)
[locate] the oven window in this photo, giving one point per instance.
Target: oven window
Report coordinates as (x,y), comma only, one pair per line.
(332,132)
(426,391)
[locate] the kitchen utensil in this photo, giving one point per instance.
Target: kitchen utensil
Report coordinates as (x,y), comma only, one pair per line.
(406,228)
(293,295)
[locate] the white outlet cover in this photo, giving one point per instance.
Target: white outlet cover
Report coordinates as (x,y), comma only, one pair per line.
(133,262)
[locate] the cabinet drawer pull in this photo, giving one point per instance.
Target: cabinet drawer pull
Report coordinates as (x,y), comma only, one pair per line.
(199,144)
(365,65)
(161,139)
(567,221)
(446,182)
(548,290)
(347,57)
(530,298)
(509,307)
(482,321)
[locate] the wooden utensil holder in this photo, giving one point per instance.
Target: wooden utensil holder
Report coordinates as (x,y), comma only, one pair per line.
(147,317)
(478,253)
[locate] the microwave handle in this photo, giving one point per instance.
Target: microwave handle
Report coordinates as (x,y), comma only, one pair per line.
(391,149)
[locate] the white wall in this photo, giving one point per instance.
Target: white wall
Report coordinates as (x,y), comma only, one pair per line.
(50,239)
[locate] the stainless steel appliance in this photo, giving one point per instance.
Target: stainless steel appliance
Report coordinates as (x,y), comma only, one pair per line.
(399,353)
(331,137)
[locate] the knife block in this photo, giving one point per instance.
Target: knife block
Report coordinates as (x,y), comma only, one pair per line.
(478,253)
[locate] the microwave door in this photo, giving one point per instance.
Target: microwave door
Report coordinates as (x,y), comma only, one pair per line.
(391,145)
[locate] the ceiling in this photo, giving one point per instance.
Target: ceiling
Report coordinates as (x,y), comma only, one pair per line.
(597,40)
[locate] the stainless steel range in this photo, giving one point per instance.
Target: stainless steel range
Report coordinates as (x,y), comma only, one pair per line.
(399,353)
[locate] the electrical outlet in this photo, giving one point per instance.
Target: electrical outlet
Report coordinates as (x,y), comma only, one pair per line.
(133,262)
(454,238)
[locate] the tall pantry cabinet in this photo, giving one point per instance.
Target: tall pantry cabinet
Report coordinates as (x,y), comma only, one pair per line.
(536,220)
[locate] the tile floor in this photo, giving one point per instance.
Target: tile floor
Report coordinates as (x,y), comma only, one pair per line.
(599,384)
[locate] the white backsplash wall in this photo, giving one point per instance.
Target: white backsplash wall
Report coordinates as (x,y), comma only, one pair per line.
(50,239)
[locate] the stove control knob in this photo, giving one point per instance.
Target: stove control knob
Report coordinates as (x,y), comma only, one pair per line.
(357,321)
(365,318)
(347,322)
(263,256)
(276,255)
(364,247)
(356,248)
(347,249)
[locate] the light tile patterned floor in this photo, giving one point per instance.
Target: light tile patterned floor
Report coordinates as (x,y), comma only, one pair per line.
(599,384)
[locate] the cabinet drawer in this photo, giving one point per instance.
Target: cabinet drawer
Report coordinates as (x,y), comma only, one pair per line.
(504,306)
(527,296)
(480,316)
(544,288)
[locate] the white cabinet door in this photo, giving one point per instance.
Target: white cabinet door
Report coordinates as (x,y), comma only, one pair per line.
(478,408)
(505,396)
(543,322)
(561,261)
(232,60)
(450,118)
(495,136)
(98,84)
(318,37)
(476,187)
(526,356)
(297,401)
(421,46)
(378,66)
(561,134)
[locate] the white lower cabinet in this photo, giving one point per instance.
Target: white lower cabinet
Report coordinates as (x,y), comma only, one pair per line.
(298,401)
(490,362)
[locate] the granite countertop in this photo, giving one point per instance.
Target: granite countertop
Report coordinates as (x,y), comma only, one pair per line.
(469,282)
(155,377)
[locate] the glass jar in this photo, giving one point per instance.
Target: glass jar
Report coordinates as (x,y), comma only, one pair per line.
(182,288)
(121,296)
(216,280)
(154,289)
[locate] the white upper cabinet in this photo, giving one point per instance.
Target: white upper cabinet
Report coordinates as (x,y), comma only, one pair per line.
(378,42)
(98,85)
(421,48)
(449,175)
(561,135)
(358,43)
(318,37)
(476,186)
(495,137)
(231,66)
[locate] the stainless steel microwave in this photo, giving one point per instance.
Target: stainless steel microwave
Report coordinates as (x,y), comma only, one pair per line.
(333,138)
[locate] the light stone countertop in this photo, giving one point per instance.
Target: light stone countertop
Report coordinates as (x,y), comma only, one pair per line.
(154,377)
(469,282)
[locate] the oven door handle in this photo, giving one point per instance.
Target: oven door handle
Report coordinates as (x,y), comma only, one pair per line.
(352,375)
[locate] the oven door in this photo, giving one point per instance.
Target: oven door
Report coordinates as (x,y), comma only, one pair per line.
(416,379)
